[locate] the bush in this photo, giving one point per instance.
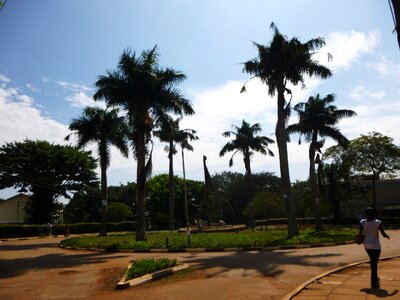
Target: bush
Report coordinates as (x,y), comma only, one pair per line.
(17,230)
(144,266)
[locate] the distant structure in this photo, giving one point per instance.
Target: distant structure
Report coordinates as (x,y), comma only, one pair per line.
(12,210)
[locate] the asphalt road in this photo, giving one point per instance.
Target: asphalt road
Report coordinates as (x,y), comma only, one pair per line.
(38,269)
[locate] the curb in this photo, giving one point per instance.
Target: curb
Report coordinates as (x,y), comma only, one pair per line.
(192,250)
(302,286)
(122,284)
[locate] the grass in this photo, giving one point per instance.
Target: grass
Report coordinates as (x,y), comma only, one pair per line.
(145,266)
(247,238)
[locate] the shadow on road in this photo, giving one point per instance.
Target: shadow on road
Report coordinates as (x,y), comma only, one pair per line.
(268,264)
(18,266)
(380,293)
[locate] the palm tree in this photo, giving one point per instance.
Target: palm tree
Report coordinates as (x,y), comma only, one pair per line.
(171,133)
(246,141)
(183,137)
(166,133)
(105,128)
(277,64)
(147,92)
(317,118)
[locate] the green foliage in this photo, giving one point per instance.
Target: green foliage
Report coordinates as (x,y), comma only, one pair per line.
(10,231)
(268,205)
(375,153)
(118,212)
(145,266)
(47,171)
(158,197)
(157,240)
(84,206)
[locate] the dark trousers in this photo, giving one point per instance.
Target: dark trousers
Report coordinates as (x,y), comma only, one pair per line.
(373,261)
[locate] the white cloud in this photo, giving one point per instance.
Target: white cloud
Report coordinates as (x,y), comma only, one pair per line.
(81,99)
(32,88)
(346,48)
(75,87)
(45,79)
(4,78)
(385,67)
(360,92)
(21,120)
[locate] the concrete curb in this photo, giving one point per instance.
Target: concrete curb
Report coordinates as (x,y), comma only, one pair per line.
(192,250)
(122,284)
(302,286)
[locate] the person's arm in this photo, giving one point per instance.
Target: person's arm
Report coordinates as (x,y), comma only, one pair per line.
(361,229)
(382,230)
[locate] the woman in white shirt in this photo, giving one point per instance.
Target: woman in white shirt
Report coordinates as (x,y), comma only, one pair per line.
(370,227)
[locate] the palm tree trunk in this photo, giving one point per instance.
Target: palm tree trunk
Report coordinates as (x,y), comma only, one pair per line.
(249,189)
(104,197)
(171,185)
(313,185)
(189,244)
(141,182)
(281,138)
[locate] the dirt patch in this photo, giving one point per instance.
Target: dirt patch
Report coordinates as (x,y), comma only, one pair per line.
(110,278)
(69,272)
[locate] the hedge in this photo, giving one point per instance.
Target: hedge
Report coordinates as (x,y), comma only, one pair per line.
(23,230)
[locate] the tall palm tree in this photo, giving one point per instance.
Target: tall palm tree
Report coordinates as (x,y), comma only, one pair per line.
(183,137)
(147,92)
(105,128)
(167,133)
(278,63)
(246,141)
(317,118)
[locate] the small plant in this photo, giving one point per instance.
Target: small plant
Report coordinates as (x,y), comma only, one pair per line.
(145,266)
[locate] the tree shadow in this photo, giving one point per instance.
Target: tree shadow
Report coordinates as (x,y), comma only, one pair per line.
(378,292)
(22,247)
(18,266)
(267,263)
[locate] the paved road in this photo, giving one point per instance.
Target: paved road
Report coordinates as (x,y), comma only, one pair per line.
(38,269)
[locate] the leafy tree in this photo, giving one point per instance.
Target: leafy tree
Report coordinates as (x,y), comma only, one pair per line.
(183,137)
(280,62)
(147,92)
(171,133)
(84,205)
(46,170)
(105,128)
(376,154)
(123,193)
(317,119)
(157,200)
(246,141)
(119,212)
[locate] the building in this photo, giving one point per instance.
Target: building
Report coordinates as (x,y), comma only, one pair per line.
(387,198)
(12,210)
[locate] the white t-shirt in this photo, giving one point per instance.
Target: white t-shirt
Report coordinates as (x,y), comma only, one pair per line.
(371,231)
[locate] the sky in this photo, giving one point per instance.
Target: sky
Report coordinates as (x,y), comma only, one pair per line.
(52,52)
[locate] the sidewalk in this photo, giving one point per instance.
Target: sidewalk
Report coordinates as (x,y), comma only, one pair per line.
(354,283)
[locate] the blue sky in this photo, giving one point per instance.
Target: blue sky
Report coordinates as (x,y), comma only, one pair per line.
(51,53)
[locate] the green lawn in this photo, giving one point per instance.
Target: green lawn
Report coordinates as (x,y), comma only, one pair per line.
(247,238)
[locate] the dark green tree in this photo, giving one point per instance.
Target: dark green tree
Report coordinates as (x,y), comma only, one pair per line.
(277,64)
(147,92)
(171,133)
(46,170)
(157,200)
(247,142)
(104,128)
(376,154)
(318,118)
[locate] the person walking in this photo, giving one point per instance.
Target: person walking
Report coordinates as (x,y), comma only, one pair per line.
(370,228)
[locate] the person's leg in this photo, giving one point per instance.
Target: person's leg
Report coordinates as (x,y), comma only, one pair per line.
(374,258)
